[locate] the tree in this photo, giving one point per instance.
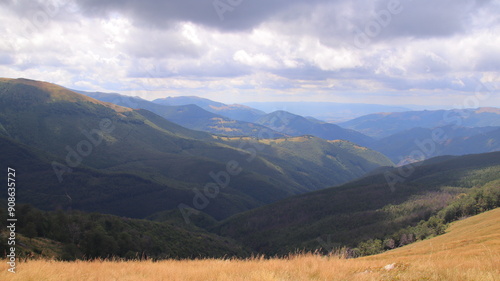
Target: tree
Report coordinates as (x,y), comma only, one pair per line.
(30,230)
(403,240)
(389,243)
(75,232)
(370,247)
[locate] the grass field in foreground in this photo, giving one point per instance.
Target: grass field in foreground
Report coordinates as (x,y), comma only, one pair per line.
(470,250)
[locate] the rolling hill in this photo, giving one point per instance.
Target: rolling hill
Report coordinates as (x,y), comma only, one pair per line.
(381,125)
(80,136)
(339,159)
(363,209)
(296,125)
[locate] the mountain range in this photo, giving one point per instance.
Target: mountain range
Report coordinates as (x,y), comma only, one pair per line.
(332,112)
(135,174)
(295,125)
(233,111)
(399,134)
(79,134)
(416,143)
(381,125)
(191,115)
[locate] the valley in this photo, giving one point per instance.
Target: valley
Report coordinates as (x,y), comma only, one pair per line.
(108,176)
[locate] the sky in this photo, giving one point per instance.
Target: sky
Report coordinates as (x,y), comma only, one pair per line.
(427,52)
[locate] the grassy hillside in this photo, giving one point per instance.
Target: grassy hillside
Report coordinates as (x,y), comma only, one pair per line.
(77,133)
(468,251)
(381,125)
(475,237)
(364,209)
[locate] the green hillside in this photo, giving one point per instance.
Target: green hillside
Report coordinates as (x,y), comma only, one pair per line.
(340,159)
(87,189)
(368,208)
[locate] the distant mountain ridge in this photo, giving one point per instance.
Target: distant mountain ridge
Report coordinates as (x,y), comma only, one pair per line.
(398,144)
(381,125)
(190,115)
(185,111)
(296,125)
(233,111)
(457,141)
(333,112)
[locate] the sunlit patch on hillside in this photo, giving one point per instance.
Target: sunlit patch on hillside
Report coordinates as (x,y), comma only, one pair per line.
(488,110)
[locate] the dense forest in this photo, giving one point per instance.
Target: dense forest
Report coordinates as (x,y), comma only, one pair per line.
(70,235)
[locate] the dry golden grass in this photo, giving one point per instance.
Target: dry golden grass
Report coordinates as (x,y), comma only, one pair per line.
(469,251)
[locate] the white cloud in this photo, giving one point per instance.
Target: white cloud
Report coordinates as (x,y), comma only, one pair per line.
(259,60)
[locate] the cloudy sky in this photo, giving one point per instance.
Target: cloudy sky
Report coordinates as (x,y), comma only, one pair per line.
(430,52)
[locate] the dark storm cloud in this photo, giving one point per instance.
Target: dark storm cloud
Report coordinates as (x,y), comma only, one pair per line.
(344,21)
(147,44)
(340,19)
(236,14)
